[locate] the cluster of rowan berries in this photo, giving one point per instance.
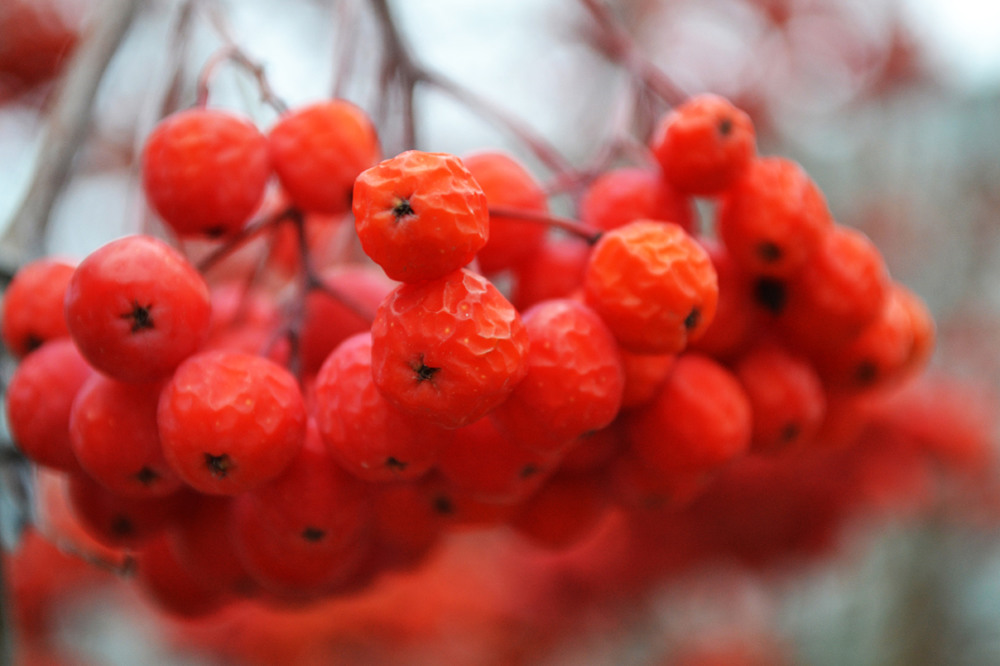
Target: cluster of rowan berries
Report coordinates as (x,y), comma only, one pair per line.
(284,443)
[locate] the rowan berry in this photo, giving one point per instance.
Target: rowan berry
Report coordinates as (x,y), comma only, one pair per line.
(230,421)
(205,171)
(39,400)
(33,305)
(171,586)
(624,195)
(420,215)
(786,398)
(704,144)
(574,381)
(202,545)
(593,450)
(369,436)
(700,420)
(773,218)
(563,512)
(735,323)
(924,333)
(449,350)
(554,270)
(506,183)
(653,285)
(644,375)
(136,308)
(103,410)
(318,151)
(405,523)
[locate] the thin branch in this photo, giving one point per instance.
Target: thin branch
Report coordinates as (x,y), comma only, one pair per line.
(587,233)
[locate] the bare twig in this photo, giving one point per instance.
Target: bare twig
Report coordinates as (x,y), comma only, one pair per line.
(587,233)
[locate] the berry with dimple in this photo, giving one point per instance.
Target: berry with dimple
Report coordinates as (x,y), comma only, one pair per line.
(574,382)
(103,411)
(136,308)
(372,438)
(39,401)
(506,183)
(449,350)
(205,171)
(786,397)
(230,421)
(624,195)
(33,305)
(420,215)
(318,150)
(773,218)
(704,144)
(653,285)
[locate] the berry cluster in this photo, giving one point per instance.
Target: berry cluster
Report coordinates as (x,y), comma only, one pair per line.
(295,438)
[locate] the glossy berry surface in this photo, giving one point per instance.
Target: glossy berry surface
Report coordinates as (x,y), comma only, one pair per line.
(230,421)
(420,215)
(205,171)
(136,308)
(33,305)
(449,350)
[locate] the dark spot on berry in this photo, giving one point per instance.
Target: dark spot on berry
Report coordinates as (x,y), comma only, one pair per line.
(313,534)
(770,294)
(725,126)
(395,464)
(219,466)
(141,319)
(215,232)
(790,432)
(146,476)
(33,342)
(866,373)
(424,372)
(529,471)
(769,252)
(122,526)
(691,321)
(402,209)
(443,505)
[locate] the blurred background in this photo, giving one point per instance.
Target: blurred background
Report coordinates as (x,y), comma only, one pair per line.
(892,106)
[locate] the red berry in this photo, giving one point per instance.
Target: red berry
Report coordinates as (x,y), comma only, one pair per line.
(508,184)
(205,171)
(563,512)
(704,144)
(171,586)
(319,150)
(653,285)
(644,375)
(449,350)
(420,215)
(624,195)
(136,308)
(230,422)
(555,270)
(33,305)
(202,545)
(735,323)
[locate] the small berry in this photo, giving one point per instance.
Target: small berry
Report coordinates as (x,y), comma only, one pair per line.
(33,305)
(624,195)
(554,270)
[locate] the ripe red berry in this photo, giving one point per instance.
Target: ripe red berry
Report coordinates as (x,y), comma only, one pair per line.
(653,285)
(506,183)
(563,512)
(644,375)
(420,215)
(230,421)
(735,323)
(33,305)
(205,171)
(171,586)
(704,144)
(555,270)
(449,350)
(319,150)
(624,195)
(136,308)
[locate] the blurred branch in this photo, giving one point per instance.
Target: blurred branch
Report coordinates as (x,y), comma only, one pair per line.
(67,127)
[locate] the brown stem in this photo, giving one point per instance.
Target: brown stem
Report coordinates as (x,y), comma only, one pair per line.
(587,233)
(252,229)
(233,53)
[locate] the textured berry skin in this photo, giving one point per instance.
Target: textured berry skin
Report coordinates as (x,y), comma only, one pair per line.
(136,309)
(369,436)
(574,382)
(704,144)
(39,399)
(318,151)
(773,218)
(621,196)
(420,215)
(33,305)
(205,171)
(507,183)
(449,350)
(230,422)
(102,411)
(653,285)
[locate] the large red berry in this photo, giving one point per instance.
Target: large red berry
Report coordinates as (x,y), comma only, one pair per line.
(420,215)
(653,285)
(33,305)
(136,308)
(319,150)
(449,350)
(205,171)
(230,422)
